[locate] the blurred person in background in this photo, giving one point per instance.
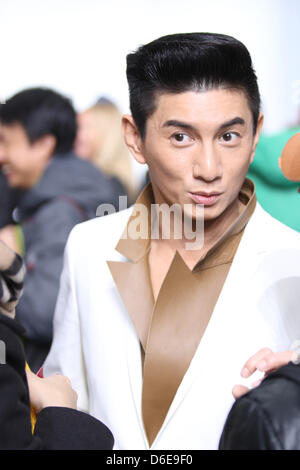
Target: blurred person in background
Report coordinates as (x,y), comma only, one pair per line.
(37,133)
(100,140)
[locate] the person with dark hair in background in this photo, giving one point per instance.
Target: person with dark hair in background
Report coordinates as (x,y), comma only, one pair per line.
(58,425)
(37,133)
(157,344)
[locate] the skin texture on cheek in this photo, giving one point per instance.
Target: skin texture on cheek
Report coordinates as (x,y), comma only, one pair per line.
(167,185)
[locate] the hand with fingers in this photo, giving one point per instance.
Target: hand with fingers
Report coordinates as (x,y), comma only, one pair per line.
(266,361)
(55,390)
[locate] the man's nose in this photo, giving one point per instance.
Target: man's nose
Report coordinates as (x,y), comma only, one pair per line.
(207,164)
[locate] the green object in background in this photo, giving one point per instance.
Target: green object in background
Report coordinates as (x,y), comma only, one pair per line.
(20,239)
(276,194)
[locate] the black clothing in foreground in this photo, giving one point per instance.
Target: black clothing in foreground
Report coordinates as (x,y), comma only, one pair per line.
(267,417)
(57,428)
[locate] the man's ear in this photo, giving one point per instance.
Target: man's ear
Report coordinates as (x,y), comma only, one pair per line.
(260,123)
(46,146)
(132,138)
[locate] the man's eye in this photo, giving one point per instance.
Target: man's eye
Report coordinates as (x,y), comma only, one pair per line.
(180,137)
(229,136)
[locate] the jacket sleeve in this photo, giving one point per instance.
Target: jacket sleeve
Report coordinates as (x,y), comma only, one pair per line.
(66,355)
(62,428)
(15,420)
(48,234)
(248,427)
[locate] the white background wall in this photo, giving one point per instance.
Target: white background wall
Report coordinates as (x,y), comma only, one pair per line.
(79,46)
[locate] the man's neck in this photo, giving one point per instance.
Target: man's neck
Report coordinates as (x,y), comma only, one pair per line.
(213,231)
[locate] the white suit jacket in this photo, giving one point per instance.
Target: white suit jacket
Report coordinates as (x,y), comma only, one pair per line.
(96,345)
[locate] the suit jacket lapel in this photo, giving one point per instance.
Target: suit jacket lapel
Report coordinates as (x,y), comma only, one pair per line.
(132,281)
(231,303)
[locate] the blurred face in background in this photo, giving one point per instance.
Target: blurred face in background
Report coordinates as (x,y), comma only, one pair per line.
(99,134)
(99,139)
(88,136)
(23,162)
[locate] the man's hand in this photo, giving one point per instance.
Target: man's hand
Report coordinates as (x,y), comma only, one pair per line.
(265,360)
(55,390)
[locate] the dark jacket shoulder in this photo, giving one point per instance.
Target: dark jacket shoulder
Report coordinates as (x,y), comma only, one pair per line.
(267,417)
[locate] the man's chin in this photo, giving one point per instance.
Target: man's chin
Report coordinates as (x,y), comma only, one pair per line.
(12,181)
(207,213)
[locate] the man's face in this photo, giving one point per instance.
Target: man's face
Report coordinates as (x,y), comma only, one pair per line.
(198,147)
(20,160)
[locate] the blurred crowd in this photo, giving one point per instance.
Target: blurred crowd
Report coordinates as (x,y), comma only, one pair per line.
(57,167)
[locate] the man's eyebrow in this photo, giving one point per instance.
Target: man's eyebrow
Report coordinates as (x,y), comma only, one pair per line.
(175,123)
(232,122)
(185,125)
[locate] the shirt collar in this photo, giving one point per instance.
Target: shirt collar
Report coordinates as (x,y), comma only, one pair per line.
(134,248)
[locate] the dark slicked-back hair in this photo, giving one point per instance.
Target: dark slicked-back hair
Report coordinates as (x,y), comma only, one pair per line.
(184,62)
(41,111)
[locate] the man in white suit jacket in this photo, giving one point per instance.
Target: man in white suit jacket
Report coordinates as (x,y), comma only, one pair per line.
(154,322)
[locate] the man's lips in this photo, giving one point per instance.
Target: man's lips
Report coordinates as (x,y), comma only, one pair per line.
(207,199)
